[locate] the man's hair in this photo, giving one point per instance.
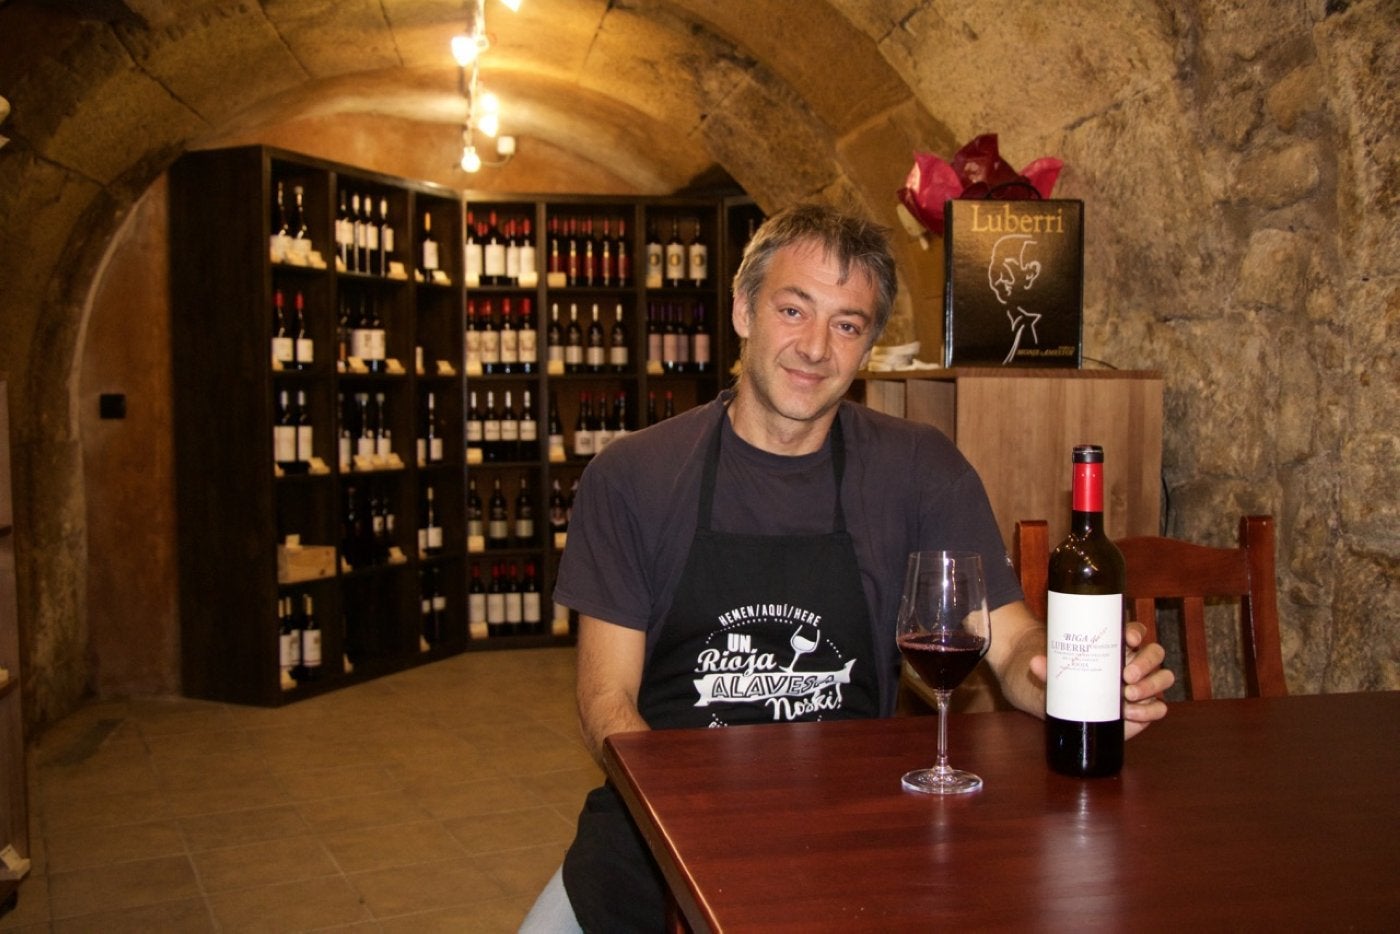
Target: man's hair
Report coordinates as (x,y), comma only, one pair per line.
(857,245)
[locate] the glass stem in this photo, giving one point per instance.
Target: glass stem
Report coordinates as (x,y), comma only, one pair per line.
(942,697)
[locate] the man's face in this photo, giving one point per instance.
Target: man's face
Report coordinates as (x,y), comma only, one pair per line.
(808,334)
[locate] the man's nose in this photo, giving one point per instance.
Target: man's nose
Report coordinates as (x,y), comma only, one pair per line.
(815,340)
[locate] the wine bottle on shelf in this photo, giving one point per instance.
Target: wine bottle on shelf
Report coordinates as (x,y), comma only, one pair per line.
(607,262)
(497,518)
(476,605)
(490,338)
(554,254)
(351,533)
(281,239)
(475,431)
(588,264)
(509,340)
(430,533)
(697,259)
(656,258)
(651,407)
(377,341)
(305,438)
(655,342)
(472,340)
(620,427)
(622,256)
(491,428)
(283,345)
(493,254)
(524,515)
(376,547)
(700,360)
(529,447)
(472,260)
(510,430)
(602,425)
(515,601)
(1084,643)
(583,428)
(682,339)
(529,268)
(476,519)
(558,515)
(303,347)
(428,253)
(554,342)
(342,336)
(617,342)
(383,440)
(386,237)
(310,640)
(344,233)
(345,439)
(525,330)
(359,238)
(426,635)
(572,254)
(289,640)
(496,603)
(556,453)
(372,253)
(284,432)
(671,337)
(675,255)
(430,443)
(512,247)
(573,342)
(365,440)
(301,235)
(532,613)
(668,405)
(439,605)
(595,357)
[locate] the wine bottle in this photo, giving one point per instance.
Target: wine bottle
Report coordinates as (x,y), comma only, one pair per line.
(497,518)
(284,432)
(1084,645)
(386,237)
(617,342)
(289,639)
(607,262)
(555,453)
(472,340)
(571,253)
(376,341)
(473,259)
(682,339)
(303,349)
(512,274)
(583,428)
(622,256)
(602,425)
(524,515)
(476,518)
(697,259)
(656,261)
(283,345)
(529,271)
(700,360)
(509,340)
(345,440)
(425,609)
(476,604)
(428,262)
(301,419)
(374,257)
(554,342)
(588,261)
(558,515)
(595,356)
(439,605)
(493,254)
(475,430)
(554,250)
(430,442)
(573,342)
(670,342)
(668,405)
(531,609)
(515,603)
(655,344)
(490,338)
(529,429)
(383,439)
(496,603)
(620,427)
(675,255)
(510,430)
(491,429)
(310,640)
(342,337)
(364,441)
(344,234)
(301,236)
(525,329)
(430,533)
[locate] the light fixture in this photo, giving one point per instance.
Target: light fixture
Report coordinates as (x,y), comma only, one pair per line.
(483,107)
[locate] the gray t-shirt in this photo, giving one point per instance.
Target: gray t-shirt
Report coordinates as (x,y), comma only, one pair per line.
(906,488)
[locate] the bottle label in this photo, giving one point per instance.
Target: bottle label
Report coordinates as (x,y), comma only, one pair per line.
(430,255)
(304,443)
(494,260)
(515,609)
(1084,649)
(291,649)
(433,536)
(435,450)
(282,349)
(284,444)
(311,648)
(531,609)
(476,608)
(306,350)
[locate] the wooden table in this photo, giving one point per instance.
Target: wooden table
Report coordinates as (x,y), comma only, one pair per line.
(1230,814)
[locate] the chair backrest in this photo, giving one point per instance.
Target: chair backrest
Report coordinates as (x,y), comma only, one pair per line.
(1169,569)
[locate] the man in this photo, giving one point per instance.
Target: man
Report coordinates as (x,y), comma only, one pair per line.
(767,532)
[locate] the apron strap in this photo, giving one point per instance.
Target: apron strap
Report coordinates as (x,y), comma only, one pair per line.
(707,480)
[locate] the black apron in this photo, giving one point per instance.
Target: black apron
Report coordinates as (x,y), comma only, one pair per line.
(762,629)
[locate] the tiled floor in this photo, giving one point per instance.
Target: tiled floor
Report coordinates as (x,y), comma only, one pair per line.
(438,799)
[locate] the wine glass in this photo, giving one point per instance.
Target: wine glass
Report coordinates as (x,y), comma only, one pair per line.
(944,629)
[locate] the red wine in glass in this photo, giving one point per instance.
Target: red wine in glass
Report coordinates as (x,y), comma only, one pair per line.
(944,658)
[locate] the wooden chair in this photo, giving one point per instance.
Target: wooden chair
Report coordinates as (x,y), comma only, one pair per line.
(1169,569)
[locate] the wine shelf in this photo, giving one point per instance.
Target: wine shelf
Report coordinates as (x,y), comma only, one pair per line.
(380,339)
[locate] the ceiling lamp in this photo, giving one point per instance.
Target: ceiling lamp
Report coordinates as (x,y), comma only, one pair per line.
(483,108)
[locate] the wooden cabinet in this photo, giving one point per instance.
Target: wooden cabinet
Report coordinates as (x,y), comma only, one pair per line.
(403,545)
(14,814)
(1018,427)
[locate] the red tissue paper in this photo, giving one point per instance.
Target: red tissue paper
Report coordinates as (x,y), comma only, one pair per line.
(977,171)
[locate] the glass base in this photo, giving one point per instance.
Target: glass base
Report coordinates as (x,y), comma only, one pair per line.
(936,781)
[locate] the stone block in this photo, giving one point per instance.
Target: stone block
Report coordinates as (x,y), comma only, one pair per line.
(1298,93)
(1278,179)
(1273,273)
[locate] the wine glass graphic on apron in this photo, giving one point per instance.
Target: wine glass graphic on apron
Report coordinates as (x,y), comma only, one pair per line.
(801,645)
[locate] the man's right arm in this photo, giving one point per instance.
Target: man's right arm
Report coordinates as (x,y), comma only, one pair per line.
(610,661)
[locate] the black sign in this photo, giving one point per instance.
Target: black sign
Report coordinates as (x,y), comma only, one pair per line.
(1014,293)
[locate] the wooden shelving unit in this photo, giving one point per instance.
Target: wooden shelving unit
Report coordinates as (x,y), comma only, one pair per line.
(232,508)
